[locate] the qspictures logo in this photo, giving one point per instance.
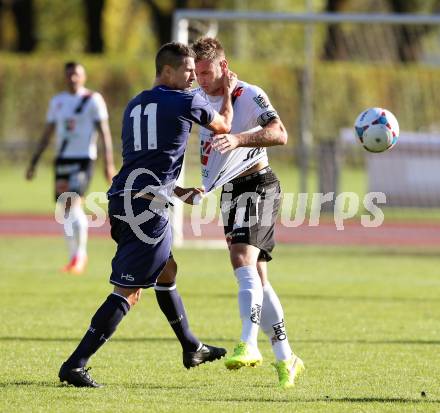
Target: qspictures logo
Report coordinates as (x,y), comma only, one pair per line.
(158,196)
(293,209)
(157,206)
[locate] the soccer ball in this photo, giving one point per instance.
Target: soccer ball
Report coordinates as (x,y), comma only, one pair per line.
(377,129)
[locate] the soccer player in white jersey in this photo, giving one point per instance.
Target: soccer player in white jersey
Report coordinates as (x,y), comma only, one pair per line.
(75,115)
(250,201)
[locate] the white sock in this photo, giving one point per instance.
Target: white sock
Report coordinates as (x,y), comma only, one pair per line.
(69,233)
(80,230)
(250,300)
(272,323)
(71,242)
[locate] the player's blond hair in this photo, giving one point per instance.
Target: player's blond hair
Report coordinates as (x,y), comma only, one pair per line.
(208,48)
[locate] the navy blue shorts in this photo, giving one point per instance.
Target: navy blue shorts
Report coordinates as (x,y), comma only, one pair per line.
(144,249)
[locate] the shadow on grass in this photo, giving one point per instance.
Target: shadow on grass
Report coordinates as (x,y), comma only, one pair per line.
(149,386)
(115,340)
(23,383)
(319,297)
(223,340)
(375,400)
(153,386)
(329,400)
(360,298)
(362,251)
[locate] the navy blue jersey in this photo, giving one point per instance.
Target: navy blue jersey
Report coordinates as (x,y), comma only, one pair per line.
(155,131)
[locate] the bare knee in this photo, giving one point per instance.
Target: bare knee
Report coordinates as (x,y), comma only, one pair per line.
(262,271)
(132,295)
(239,259)
(61,186)
(242,255)
(169,272)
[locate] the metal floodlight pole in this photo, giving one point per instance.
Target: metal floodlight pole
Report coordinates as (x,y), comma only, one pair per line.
(180,28)
(179,34)
(306,136)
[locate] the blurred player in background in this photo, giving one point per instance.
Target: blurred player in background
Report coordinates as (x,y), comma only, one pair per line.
(75,115)
(155,131)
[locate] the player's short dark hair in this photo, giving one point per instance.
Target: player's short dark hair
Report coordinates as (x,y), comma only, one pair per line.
(172,54)
(208,48)
(71,65)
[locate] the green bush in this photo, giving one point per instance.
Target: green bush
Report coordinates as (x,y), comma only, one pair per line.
(340,92)
(28,83)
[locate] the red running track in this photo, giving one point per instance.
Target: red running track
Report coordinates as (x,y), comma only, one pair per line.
(390,233)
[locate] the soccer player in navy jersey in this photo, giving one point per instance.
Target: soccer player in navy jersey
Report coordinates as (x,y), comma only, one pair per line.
(155,131)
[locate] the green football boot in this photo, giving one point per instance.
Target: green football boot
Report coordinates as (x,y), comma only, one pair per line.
(244,355)
(288,371)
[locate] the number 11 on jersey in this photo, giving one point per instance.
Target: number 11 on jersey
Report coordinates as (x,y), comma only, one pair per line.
(149,111)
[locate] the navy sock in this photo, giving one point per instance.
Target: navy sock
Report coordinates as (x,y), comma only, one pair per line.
(172,306)
(102,326)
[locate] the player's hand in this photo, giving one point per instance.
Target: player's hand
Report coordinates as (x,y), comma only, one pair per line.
(30,173)
(191,196)
(109,173)
(229,81)
(225,143)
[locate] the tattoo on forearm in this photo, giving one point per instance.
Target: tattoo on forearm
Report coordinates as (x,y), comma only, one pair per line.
(263,137)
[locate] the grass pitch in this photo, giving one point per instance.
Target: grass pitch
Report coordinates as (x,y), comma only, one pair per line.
(365,321)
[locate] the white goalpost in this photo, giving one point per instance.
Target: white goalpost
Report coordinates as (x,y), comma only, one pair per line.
(305,129)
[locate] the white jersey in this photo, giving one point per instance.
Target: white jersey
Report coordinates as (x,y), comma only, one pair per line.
(74,116)
(252,110)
